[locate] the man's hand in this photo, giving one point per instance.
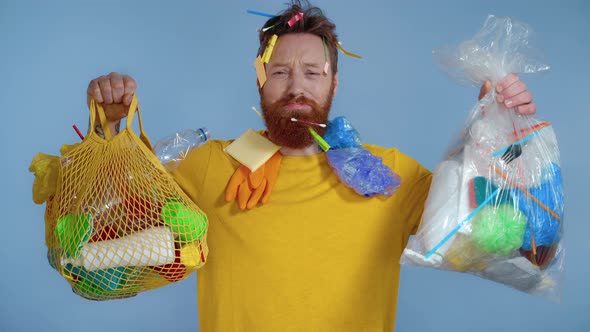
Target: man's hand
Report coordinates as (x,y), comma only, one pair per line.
(512,92)
(115,92)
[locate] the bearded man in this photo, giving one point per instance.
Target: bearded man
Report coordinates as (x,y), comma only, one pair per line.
(316,256)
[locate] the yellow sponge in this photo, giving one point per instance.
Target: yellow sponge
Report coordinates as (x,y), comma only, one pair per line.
(252,149)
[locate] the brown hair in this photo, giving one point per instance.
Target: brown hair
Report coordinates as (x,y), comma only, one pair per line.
(313,21)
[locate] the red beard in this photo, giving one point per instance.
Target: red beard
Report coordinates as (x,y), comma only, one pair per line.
(295,135)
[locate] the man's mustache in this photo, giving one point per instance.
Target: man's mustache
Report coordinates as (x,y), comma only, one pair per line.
(315,108)
(297,100)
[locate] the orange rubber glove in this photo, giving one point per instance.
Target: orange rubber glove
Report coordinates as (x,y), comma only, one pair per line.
(251,188)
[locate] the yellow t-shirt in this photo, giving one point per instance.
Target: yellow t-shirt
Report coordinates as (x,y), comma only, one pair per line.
(316,257)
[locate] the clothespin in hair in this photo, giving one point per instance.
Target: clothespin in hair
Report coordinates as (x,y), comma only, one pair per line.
(294,19)
(269,48)
(326,64)
(260,71)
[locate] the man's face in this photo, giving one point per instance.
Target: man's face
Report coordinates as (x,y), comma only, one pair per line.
(297,88)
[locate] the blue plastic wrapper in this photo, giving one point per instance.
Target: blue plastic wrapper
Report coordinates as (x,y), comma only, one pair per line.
(544,225)
(362,171)
(341,134)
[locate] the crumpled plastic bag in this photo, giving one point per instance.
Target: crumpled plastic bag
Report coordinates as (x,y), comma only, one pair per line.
(356,167)
(46,170)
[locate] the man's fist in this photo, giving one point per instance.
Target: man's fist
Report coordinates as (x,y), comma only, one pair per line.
(512,92)
(115,92)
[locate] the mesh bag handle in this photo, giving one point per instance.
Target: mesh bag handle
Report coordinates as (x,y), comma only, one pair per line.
(96,109)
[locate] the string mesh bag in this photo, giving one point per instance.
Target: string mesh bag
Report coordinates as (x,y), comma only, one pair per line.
(495,206)
(118,224)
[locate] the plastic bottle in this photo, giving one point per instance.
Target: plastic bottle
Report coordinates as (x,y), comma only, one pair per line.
(172,149)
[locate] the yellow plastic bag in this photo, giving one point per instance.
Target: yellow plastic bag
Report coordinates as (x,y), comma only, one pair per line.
(118,224)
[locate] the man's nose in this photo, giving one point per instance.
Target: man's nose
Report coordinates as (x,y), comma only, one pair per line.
(296,85)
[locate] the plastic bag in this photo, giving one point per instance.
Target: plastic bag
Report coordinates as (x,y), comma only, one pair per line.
(116,223)
(495,207)
(356,167)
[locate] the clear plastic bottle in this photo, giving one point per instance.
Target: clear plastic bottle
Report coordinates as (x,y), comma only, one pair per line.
(172,149)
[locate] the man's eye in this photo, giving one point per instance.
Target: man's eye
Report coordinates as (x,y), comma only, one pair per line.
(279,73)
(312,73)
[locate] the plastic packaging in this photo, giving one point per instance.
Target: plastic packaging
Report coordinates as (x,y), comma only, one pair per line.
(495,206)
(356,167)
(172,149)
(363,172)
(341,134)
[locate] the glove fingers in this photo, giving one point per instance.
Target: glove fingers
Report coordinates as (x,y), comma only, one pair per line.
(239,176)
(244,194)
(272,167)
(250,188)
(256,178)
(256,194)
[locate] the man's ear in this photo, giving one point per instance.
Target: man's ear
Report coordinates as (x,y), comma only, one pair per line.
(335,83)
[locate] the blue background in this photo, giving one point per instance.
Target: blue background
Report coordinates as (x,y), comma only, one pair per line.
(193,64)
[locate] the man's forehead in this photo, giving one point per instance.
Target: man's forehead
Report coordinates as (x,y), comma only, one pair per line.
(309,64)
